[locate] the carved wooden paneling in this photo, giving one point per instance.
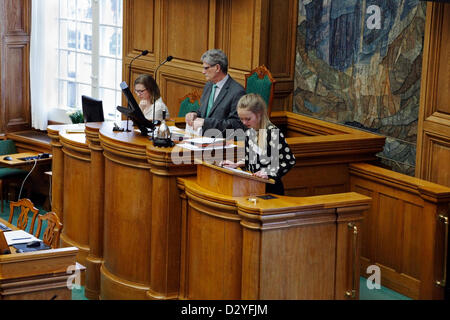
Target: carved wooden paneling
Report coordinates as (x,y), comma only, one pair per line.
(139,26)
(282,31)
(433,143)
(17,106)
(250,32)
(16,16)
(186,29)
(242,33)
(438,151)
(14,54)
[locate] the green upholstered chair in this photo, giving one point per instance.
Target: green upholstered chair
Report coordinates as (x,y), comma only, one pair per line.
(260,81)
(189,103)
(8,175)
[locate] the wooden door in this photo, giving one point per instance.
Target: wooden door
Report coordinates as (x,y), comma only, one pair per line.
(433,143)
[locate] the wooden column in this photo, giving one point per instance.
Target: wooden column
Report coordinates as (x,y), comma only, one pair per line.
(57,171)
(142,218)
(166,223)
(125,271)
(76,192)
(96,208)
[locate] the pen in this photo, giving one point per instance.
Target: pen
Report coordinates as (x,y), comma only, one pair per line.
(21,238)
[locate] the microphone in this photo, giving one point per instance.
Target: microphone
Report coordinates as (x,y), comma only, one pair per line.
(169,58)
(143,53)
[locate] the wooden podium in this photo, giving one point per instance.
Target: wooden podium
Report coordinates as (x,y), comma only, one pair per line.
(237,245)
(124,205)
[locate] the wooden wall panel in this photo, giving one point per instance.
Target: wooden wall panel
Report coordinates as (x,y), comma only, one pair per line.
(182,86)
(281,51)
(402,232)
(281,34)
(443,97)
(311,180)
(224,269)
(17,81)
(433,136)
(299,249)
(242,16)
(438,159)
(140,22)
(243,29)
(186,29)
(15,21)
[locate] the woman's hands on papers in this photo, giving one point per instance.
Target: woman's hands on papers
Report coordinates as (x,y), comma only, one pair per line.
(261,174)
(230,164)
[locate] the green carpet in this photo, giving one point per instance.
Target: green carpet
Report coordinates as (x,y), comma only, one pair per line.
(378,294)
(78,294)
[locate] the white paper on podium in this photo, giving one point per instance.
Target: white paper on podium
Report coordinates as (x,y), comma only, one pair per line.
(18,236)
(174,129)
(190,130)
(204,140)
(196,148)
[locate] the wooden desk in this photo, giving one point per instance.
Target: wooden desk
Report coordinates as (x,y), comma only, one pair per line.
(40,275)
(238,246)
(17,161)
(119,200)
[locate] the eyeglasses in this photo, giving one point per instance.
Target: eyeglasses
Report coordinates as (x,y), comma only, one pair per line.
(206,68)
(140,91)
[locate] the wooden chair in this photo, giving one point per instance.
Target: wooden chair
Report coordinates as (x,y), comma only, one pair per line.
(260,81)
(25,206)
(189,103)
(53,230)
(9,175)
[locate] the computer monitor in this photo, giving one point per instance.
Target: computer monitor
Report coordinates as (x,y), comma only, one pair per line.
(92,109)
(134,112)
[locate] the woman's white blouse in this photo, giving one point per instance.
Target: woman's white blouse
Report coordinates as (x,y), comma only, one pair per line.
(160,106)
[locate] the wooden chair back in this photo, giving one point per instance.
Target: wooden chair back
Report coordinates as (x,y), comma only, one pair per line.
(53,230)
(260,81)
(190,102)
(25,206)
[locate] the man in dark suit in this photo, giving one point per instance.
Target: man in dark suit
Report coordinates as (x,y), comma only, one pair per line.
(220,96)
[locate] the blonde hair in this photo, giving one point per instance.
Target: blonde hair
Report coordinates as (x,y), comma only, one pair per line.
(255,103)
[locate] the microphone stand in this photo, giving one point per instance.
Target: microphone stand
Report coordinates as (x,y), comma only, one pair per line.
(143,53)
(169,58)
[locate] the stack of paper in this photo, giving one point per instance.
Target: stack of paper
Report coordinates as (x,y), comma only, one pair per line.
(18,236)
(202,142)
